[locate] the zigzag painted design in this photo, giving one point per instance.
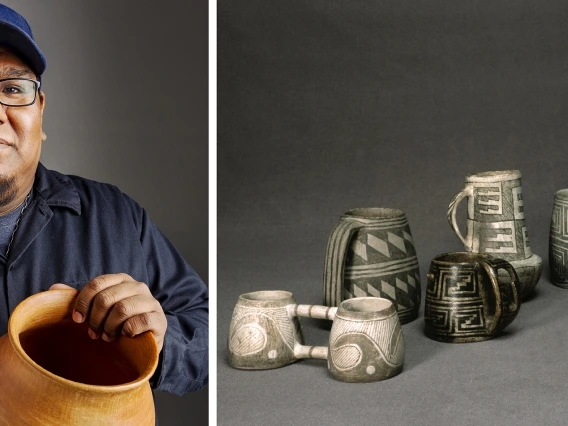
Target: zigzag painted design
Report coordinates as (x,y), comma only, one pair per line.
(460,322)
(375,246)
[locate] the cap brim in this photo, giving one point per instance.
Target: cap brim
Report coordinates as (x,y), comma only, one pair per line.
(23,46)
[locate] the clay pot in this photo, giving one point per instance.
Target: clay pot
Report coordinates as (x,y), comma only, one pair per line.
(54,374)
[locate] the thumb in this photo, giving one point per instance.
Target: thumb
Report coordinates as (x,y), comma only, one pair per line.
(60,286)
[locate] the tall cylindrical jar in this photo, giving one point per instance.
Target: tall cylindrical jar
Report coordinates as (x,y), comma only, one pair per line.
(496,222)
(558,242)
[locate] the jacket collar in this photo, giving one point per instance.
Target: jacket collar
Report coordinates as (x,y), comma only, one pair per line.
(56,189)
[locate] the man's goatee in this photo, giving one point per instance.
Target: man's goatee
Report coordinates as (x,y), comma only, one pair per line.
(8,190)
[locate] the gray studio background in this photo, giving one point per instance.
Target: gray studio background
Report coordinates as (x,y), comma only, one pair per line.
(324,106)
(126,92)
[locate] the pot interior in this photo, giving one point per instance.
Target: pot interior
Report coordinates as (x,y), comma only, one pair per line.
(66,350)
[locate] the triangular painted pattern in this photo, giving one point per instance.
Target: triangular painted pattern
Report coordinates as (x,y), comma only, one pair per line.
(401,285)
(388,289)
(359,249)
(396,241)
(376,246)
(373,291)
(359,292)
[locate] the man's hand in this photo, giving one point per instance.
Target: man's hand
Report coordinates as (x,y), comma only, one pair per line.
(116,303)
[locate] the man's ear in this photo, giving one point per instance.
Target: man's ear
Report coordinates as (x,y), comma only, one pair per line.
(41,100)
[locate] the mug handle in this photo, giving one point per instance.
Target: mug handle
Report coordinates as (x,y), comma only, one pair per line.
(335,261)
(507,301)
(452,209)
(311,311)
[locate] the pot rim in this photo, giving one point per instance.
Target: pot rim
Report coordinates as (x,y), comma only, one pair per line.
(69,296)
(365,309)
(494,176)
(469,258)
(266,298)
(374,213)
(561,194)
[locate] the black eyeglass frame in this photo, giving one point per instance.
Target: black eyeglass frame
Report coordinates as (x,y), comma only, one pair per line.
(37,84)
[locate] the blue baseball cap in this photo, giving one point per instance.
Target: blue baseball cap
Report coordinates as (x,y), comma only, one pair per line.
(16,34)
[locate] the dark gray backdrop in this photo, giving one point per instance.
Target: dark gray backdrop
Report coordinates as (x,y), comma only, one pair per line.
(126,91)
(328,105)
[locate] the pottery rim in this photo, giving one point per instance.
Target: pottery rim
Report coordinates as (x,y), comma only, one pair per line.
(461,258)
(68,296)
(365,309)
(375,213)
(562,194)
(494,176)
(267,299)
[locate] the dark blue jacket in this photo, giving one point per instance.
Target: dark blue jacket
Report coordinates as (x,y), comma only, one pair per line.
(75,229)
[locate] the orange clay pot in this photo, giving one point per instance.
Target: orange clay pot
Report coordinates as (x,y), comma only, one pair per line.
(52,373)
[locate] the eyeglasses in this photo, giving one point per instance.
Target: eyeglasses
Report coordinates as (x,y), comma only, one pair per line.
(18,92)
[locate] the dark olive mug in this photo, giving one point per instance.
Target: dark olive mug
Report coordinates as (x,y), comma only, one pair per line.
(466,301)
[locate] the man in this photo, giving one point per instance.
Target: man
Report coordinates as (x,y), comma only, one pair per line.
(59,231)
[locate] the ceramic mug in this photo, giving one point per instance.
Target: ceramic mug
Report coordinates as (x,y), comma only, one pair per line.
(266,333)
(496,222)
(371,253)
(366,342)
(558,242)
(466,300)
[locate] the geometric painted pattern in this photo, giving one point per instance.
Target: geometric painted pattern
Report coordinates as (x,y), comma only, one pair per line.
(518,204)
(558,246)
(377,246)
(462,303)
(559,258)
(454,306)
(497,237)
(402,289)
(495,219)
(385,335)
(489,197)
(379,261)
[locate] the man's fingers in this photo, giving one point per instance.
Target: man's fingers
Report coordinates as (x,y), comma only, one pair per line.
(86,297)
(125,309)
(116,303)
(105,301)
(150,321)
